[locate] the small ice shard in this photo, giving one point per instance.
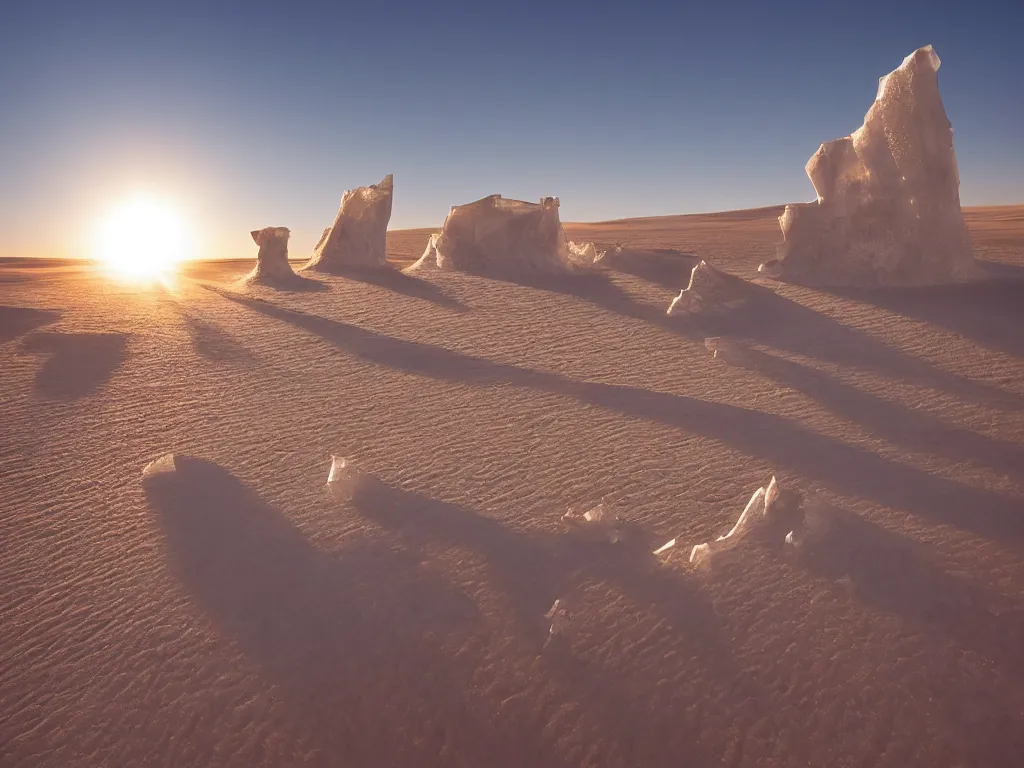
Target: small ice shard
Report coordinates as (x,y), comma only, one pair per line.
(165,465)
(358,237)
(754,508)
(815,518)
(753,513)
(598,519)
(498,234)
(340,468)
(558,616)
(708,291)
(887,211)
(770,494)
(721,348)
(342,478)
(700,553)
(665,547)
(272,267)
(429,257)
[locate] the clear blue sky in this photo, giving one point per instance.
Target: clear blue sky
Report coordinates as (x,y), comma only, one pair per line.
(258,114)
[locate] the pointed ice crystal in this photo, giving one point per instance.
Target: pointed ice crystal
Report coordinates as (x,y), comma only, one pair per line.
(888,202)
(707,291)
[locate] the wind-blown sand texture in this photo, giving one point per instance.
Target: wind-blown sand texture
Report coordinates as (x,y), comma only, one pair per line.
(239,614)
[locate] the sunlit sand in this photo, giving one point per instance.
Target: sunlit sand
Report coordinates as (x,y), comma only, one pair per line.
(430,606)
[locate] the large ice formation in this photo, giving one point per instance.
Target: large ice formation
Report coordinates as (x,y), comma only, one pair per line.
(708,291)
(888,208)
(358,237)
(495,234)
(272,265)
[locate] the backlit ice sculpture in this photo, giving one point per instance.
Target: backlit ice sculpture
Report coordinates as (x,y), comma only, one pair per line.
(272,267)
(888,208)
(495,234)
(707,292)
(757,510)
(358,237)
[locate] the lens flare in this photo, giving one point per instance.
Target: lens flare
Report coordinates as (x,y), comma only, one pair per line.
(142,239)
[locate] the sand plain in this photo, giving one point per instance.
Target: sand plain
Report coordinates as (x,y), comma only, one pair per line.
(244,616)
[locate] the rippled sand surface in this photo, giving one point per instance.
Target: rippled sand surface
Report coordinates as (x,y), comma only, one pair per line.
(238,614)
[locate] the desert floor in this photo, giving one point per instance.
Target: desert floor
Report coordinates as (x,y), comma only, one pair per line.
(241,615)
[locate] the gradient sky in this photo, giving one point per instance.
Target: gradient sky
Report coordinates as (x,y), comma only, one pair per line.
(247,115)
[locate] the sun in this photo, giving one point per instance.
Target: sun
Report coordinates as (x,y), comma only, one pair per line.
(142,239)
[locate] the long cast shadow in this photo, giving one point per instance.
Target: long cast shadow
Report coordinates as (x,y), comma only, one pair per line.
(398,281)
(952,620)
(667,268)
(765,317)
(212,342)
(894,422)
(785,444)
(775,321)
(990,313)
(18,321)
(353,638)
(899,576)
(78,363)
(534,570)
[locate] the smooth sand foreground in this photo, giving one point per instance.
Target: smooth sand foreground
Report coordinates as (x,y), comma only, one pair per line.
(241,615)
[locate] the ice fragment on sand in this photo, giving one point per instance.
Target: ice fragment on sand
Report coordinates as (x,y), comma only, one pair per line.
(757,510)
(558,616)
(707,292)
(665,547)
(815,517)
(358,237)
(272,267)
(700,553)
(165,465)
(888,201)
(498,234)
(721,348)
(342,478)
(584,255)
(596,519)
(770,494)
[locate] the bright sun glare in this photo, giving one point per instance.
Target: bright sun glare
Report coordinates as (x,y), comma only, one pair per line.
(142,239)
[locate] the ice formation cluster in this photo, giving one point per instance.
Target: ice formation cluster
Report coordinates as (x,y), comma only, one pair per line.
(496,234)
(888,208)
(358,237)
(272,265)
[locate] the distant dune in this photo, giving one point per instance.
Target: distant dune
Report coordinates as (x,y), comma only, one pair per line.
(991,227)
